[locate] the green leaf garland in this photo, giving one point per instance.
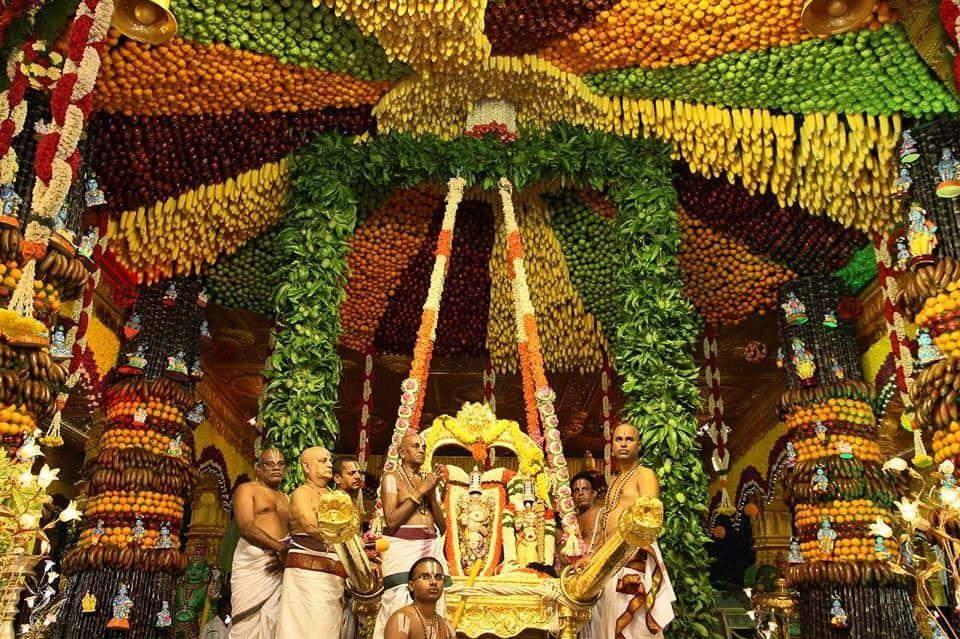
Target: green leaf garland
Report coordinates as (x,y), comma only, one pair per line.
(655,331)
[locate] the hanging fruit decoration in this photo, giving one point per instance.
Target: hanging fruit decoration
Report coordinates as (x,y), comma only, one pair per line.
(143,473)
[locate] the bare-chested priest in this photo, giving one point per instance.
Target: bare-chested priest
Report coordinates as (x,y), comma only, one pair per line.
(413,524)
(622,611)
(584,487)
(263,518)
(311,605)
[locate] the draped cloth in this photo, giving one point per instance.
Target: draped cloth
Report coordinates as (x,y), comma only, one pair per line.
(311,605)
(624,610)
(407,545)
(254,593)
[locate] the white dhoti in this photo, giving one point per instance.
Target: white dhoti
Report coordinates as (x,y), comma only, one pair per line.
(254,593)
(622,602)
(311,603)
(409,544)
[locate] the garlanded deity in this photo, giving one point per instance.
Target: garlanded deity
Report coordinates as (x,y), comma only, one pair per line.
(820,481)
(795,556)
(921,235)
(830,319)
(901,186)
(948,187)
(794,310)
(908,148)
(93,195)
(528,524)
(474,517)
(826,539)
(165,540)
(838,616)
(138,531)
(164,619)
(803,363)
(122,607)
(927,351)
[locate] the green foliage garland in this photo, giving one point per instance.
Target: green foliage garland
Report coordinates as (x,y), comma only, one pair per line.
(656,325)
(860,270)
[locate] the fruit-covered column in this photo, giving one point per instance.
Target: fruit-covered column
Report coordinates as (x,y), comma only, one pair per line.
(123,571)
(834,483)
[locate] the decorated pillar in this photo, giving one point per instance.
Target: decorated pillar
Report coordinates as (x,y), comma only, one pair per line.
(122,574)
(835,487)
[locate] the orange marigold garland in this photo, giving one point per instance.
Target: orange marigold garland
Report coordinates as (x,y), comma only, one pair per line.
(411,399)
(544,396)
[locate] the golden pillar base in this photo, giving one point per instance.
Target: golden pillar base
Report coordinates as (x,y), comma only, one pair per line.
(14,570)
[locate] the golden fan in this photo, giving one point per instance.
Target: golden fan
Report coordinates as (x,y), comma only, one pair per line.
(147,21)
(828,17)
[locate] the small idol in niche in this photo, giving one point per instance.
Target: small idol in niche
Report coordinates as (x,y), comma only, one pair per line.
(948,187)
(820,481)
(93,195)
(908,148)
(921,236)
(794,310)
(803,363)
(838,616)
(901,186)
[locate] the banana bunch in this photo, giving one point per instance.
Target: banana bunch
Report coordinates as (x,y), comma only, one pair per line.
(182,234)
(430,35)
(929,282)
(844,572)
(106,478)
(570,337)
(848,389)
(841,167)
(439,102)
(935,393)
(98,556)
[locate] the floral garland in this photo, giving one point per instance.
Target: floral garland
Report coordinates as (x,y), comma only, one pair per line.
(899,344)
(366,405)
(544,397)
(412,388)
(13,113)
(57,160)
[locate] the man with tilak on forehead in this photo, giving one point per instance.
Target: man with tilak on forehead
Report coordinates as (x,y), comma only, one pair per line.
(413,524)
(420,620)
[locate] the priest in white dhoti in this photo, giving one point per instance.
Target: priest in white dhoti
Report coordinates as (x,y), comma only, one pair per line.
(413,524)
(311,603)
(263,519)
(637,603)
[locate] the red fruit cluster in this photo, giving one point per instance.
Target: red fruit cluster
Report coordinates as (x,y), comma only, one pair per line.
(480,131)
(142,159)
(515,27)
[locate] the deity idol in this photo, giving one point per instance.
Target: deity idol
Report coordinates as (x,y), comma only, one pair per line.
(10,201)
(528,525)
(803,363)
(122,607)
(903,253)
(170,296)
(794,310)
(821,430)
(791,455)
(820,481)
(165,540)
(927,351)
(795,556)
(838,616)
(138,532)
(830,319)
(921,236)
(948,187)
(908,148)
(901,186)
(176,364)
(475,515)
(58,345)
(93,196)
(838,373)
(826,538)
(164,620)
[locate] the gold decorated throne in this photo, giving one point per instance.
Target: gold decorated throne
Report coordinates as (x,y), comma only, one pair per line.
(500,527)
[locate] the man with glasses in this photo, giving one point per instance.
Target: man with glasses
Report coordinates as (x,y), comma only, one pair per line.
(420,620)
(263,519)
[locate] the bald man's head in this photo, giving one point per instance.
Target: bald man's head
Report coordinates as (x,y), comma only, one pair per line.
(270,466)
(317,465)
(412,449)
(626,443)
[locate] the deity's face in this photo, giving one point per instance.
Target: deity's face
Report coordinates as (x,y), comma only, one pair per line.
(349,479)
(583,494)
(426,581)
(412,449)
(626,442)
(270,466)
